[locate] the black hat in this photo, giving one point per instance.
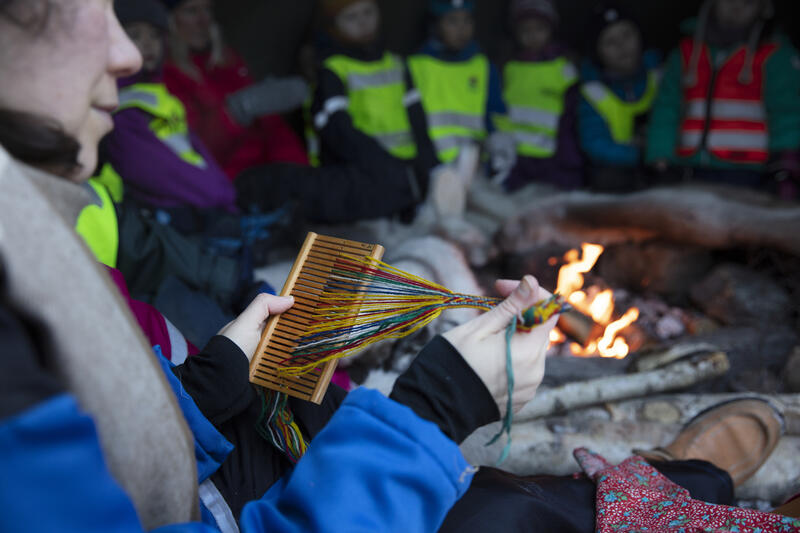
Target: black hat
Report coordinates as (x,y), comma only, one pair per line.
(603,15)
(151,11)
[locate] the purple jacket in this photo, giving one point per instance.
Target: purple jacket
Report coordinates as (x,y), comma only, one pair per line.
(155,175)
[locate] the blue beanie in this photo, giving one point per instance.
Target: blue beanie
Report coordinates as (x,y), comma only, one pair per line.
(442,7)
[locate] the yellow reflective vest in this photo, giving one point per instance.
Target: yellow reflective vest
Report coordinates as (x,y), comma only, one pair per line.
(169,122)
(455,96)
(97,224)
(376,92)
(535,93)
(618,114)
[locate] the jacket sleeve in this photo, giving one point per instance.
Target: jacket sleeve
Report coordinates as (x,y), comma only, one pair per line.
(597,142)
(782,99)
(665,119)
(399,474)
(149,252)
(426,153)
(338,136)
(153,173)
(496,106)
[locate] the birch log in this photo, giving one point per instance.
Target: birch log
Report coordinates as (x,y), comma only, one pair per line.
(614,388)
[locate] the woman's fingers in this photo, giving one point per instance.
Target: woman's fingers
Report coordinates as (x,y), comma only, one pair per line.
(522,297)
(264,306)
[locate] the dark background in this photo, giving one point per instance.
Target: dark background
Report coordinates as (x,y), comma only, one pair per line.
(268,33)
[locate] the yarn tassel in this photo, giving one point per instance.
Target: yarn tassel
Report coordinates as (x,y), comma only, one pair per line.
(276,425)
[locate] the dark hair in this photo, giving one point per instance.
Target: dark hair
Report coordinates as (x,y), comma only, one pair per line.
(31,138)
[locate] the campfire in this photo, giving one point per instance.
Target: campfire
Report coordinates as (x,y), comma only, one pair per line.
(594,321)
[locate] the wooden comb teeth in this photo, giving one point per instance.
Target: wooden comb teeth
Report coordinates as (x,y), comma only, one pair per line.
(306,281)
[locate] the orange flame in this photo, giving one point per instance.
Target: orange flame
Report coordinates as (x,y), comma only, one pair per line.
(611,345)
(599,304)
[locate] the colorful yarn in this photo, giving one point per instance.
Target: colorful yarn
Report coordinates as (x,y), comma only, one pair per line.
(276,424)
(367,301)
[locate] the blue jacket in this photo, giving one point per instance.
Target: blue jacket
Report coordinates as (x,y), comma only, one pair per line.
(595,135)
(375,467)
(495,105)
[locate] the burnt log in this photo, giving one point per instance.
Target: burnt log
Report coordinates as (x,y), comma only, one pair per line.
(712,218)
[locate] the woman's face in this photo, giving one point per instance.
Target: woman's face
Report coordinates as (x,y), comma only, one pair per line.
(620,48)
(193,20)
(68,71)
(456,29)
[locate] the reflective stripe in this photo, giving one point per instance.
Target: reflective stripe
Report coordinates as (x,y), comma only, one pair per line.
(332,106)
(181,145)
(179,349)
(727,110)
(538,140)
(357,81)
(461,120)
(570,72)
(735,140)
(412,97)
(217,506)
(127,97)
(395,140)
(534,117)
(452,141)
(594,91)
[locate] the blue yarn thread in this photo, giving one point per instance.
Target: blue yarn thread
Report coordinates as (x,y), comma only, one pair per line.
(509,418)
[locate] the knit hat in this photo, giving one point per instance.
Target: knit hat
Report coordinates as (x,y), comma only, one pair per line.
(333,7)
(440,8)
(602,16)
(522,9)
(151,11)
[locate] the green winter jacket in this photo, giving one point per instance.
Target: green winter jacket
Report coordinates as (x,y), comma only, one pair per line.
(782,87)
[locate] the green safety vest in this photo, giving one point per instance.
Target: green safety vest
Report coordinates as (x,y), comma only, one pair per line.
(97,224)
(112,181)
(619,114)
(534,93)
(454,96)
(169,117)
(376,93)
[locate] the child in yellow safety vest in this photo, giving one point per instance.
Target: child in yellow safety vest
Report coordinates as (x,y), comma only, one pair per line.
(461,90)
(366,111)
(619,83)
(540,88)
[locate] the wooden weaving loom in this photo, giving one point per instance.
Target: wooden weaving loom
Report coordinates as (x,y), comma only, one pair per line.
(307,279)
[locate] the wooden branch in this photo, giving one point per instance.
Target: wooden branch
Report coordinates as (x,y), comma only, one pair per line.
(580,327)
(717,218)
(609,389)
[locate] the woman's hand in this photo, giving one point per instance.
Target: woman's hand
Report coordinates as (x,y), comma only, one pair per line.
(245,331)
(482,343)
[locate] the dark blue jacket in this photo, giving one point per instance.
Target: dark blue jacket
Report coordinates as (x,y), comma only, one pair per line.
(376,466)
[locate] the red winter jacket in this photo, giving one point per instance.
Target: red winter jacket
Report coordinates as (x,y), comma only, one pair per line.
(268,140)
